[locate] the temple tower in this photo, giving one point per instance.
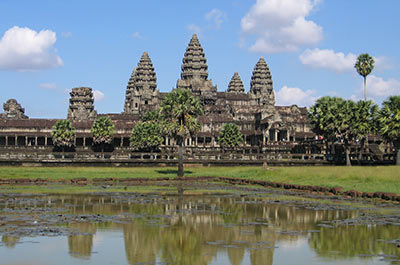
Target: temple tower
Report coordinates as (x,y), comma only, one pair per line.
(13,110)
(194,75)
(141,92)
(81,104)
(261,88)
(236,84)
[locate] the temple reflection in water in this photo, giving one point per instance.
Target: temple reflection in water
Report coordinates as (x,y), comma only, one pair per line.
(198,230)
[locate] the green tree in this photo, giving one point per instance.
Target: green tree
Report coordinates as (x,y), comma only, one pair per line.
(389,123)
(63,134)
(364,66)
(102,131)
(364,122)
(344,126)
(322,117)
(147,134)
(331,117)
(180,110)
(230,136)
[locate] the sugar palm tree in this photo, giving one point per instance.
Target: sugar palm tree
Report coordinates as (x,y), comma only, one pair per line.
(364,66)
(363,122)
(180,110)
(389,123)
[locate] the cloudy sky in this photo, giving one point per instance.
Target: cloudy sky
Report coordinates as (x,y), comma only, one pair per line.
(49,47)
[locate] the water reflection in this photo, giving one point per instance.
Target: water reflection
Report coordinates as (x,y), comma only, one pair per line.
(196,230)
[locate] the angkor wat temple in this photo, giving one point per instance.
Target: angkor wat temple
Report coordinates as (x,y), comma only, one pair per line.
(269,131)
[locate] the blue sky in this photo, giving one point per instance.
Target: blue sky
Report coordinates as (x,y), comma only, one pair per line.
(49,47)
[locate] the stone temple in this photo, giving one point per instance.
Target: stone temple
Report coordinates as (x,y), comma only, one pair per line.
(265,126)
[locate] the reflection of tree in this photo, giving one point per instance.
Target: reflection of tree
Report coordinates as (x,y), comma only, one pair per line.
(9,241)
(236,255)
(80,246)
(141,243)
(351,241)
(185,244)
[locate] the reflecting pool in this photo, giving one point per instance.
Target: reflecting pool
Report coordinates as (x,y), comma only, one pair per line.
(239,227)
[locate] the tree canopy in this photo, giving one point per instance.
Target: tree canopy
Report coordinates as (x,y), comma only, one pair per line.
(389,123)
(364,66)
(230,136)
(148,133)
(102,130)
(63,134)
(179,111)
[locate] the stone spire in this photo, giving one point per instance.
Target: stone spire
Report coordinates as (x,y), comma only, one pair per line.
(13,110)
(145,77)
(142,86)
(81,104)
(236,84)
(261,84)
(194,63)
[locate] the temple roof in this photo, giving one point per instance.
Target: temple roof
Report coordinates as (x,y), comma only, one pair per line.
(194,63)
(236,84)
(261,78)
(143,75)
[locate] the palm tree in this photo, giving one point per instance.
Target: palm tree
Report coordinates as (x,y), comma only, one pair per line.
(322,116)
(389,123)
(180,110)
(364,66)
(63,134)
(363,122)
(102,131)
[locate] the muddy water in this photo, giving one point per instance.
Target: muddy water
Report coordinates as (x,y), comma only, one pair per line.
(237,228)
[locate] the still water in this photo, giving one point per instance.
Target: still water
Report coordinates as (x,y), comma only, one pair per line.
(228,229)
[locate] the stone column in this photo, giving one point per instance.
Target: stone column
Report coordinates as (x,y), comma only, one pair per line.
(45,140)
(6,140)
(275,135)
(36,142)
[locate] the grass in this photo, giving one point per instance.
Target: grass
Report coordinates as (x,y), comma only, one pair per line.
(369,179)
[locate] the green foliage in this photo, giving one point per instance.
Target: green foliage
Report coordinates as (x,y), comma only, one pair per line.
(389,122)
(323,117)
(364,118)
(63,133)
(230,136)
(364,64)
(102,130)
(146,135)
(180,110)
(153,115)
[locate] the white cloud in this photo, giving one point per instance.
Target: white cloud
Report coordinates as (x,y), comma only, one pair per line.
(294,95)
(137,35)
(67,34)
(378,87)
(216,17)
(281,25)
(24,49)
(337,61)
(193,28)
(98,95)
(328,59)
(50,86)
(382,63)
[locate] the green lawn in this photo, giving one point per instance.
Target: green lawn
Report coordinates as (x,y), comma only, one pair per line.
(370,179)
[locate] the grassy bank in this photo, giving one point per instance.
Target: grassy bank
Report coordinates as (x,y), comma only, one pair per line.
(368,179)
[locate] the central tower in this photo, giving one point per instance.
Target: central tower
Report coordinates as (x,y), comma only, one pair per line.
(194,75)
